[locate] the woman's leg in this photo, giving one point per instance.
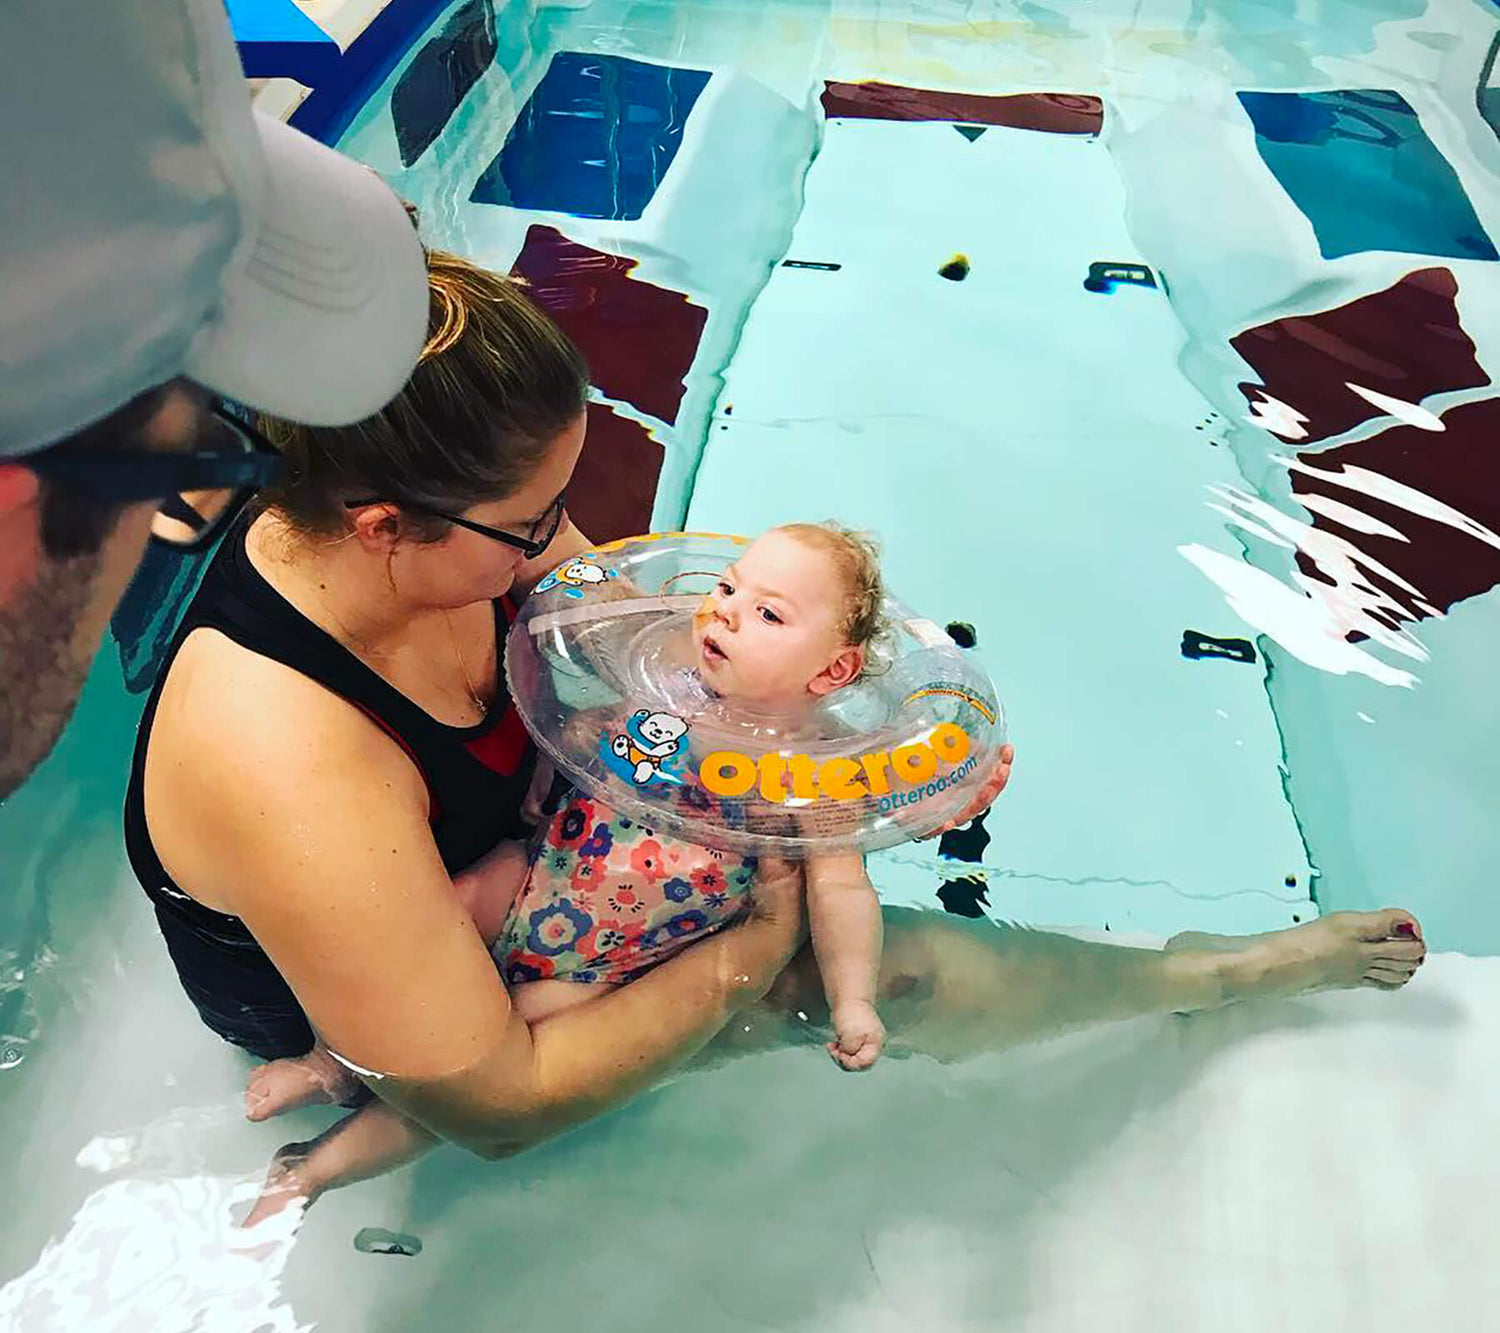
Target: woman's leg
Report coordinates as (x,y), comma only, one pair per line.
(950,986)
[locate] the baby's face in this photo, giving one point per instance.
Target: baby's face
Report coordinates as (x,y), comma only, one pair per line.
(769,633)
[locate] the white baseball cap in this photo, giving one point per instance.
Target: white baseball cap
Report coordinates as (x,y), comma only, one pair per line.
(153,226)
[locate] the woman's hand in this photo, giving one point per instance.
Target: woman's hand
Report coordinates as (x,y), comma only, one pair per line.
(780,896)
(776,924)
(537,793)
(990,788)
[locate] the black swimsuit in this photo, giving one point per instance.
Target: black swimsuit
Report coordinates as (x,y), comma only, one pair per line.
(476,779)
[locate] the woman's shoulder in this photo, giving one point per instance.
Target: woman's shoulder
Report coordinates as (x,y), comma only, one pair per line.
(232,710)
(213,678)
(251,769)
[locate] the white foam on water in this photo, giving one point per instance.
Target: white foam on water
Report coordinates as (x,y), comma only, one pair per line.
(1277,417)
(1349,516)
(1301,624)
(1309,617)
(1252,527)
(1349,594)
(1399,408)
(1312,617)
(158,1256)
(1395,493)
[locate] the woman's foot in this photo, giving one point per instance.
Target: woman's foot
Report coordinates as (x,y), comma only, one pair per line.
(314,1079)
(286,1184)
(1336,952)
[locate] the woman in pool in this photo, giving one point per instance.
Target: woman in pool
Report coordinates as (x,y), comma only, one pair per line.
(793,620)
(332,743)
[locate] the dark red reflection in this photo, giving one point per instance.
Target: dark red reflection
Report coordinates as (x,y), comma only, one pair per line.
(1460,467)
(1405,342)
(614,485)
(639,339)
(1053,113)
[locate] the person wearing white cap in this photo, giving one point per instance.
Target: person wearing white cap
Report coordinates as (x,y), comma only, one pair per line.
(162,247)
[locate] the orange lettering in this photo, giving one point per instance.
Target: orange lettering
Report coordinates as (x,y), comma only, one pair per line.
(836,777)
(772,766)
(875,766)
(726,773)
(804,777)
(915,763)
(951,743)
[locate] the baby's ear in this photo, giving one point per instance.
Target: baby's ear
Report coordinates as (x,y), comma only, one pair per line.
(847,663)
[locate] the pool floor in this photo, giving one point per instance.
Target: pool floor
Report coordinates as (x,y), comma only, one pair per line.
(1081,311)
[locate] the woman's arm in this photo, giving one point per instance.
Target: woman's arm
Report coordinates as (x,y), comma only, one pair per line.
(589,1059)
(314,831)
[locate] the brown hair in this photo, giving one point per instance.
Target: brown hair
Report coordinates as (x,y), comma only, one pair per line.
(496,384)
(856,560)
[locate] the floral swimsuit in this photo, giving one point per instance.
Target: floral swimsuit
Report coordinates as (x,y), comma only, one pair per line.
(607,900)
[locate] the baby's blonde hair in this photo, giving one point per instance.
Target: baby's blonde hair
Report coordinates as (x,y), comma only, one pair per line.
(856,559)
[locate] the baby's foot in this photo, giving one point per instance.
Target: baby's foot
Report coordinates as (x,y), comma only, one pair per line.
(286,1183)
(314,1079)
(1336,952)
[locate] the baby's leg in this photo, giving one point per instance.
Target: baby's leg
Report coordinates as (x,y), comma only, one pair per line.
(314,1079)
(536,1000)
(373,1140)
(376,1139)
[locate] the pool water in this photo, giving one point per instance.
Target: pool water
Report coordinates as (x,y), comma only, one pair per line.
(1156,342)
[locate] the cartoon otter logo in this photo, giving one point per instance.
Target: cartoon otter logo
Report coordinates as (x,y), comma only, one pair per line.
(574,577)
(647,743)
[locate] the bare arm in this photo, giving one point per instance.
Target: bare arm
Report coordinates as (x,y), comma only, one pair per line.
(314,831)
(589,1059)
(847,928)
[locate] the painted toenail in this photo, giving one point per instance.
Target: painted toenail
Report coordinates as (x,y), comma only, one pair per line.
(1406,928)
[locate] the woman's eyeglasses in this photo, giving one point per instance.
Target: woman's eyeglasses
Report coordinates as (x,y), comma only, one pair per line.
(531,543)
(200,492)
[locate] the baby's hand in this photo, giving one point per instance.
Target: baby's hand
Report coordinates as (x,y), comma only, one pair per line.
(861,1036)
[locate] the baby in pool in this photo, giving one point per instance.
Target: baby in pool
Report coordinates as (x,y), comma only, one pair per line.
(598,898)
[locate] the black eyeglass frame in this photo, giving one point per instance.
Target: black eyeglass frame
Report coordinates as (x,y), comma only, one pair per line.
(530,547)
(133,475)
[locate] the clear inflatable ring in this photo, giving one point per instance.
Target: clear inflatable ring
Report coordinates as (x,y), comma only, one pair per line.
(599,665)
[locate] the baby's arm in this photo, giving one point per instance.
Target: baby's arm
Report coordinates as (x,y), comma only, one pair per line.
(847,931)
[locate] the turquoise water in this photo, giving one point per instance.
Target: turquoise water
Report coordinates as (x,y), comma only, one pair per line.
(1076,473)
